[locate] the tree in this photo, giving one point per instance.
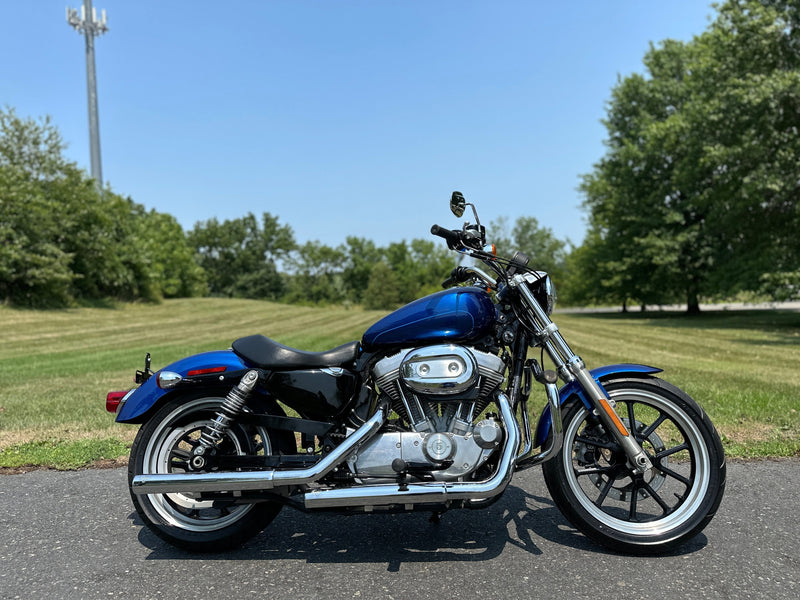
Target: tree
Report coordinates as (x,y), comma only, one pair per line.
(172,267)
(419,266)
(360,256)
(545,251)
(408,270)
(240,256)
(432,265)
(697,193)
(316,274)
(61,240)
(384,288)
(33,147)
(750,112)
(34,270)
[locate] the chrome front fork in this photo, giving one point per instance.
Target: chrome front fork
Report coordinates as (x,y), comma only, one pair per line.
(637,457)
(570,367)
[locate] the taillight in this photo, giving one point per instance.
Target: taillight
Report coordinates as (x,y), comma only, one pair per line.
(114,399)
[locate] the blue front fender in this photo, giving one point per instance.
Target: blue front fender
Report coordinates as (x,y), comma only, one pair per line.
(574,389)
(149,394)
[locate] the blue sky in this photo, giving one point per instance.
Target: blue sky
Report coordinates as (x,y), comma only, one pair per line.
(342,117)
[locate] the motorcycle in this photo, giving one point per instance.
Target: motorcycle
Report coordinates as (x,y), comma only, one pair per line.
(428,411)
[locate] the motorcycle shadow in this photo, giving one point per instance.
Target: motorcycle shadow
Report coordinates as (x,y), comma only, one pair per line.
(519,520)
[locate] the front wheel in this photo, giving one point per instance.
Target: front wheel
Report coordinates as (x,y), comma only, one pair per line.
(593,486)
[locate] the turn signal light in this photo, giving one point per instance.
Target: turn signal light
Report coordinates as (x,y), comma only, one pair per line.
(168,379)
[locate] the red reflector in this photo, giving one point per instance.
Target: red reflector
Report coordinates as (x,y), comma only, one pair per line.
(194,372)
(113,399)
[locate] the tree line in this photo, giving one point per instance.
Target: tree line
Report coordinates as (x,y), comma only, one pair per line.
(65,242)
(250,257)
(696,197)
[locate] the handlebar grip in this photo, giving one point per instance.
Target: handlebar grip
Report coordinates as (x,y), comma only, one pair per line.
(453,238)
(457,275)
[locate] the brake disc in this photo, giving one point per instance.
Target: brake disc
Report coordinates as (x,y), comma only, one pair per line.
(589,454)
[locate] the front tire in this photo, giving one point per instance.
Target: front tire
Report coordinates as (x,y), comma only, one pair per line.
(163,445)
(596,491)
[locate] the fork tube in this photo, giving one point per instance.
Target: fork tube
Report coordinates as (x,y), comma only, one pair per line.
(569,363)
(554,343)
(637,457)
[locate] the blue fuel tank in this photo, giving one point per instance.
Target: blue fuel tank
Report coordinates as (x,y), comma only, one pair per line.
(459,315)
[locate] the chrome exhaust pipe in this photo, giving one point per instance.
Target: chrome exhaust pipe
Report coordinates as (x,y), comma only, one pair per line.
(434,492)
(170,483)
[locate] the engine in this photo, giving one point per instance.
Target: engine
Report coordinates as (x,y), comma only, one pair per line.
(439,392)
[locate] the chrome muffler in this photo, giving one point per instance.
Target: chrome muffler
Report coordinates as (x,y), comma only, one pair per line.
(170,483)
(434,492)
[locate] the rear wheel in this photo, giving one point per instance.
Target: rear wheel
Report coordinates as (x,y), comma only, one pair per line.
(595,489)
(164,445)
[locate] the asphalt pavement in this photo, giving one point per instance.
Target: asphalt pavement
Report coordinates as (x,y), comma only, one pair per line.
(75,535)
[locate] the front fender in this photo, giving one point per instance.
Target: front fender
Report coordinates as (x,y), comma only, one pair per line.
(572,388)
(148,395)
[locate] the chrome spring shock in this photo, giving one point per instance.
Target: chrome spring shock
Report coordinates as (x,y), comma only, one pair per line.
(231,408)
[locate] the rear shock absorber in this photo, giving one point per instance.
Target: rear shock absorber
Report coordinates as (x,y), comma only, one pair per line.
(231,408)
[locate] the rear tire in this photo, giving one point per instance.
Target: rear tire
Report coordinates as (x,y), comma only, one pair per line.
(596,491)
(162,446)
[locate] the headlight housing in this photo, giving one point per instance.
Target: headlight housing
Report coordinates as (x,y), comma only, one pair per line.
(551,295)
(544,290)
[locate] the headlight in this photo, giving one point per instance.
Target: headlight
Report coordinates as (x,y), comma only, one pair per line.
(543,290)
(551,295)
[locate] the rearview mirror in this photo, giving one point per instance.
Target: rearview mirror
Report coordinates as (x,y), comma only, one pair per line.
(457,204)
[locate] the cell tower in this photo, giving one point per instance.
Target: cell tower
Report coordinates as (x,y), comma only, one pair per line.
(90,26)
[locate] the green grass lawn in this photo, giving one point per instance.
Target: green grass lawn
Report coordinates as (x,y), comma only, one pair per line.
(743,367)
(57,366)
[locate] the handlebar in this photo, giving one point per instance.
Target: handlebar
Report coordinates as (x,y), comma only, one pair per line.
(461,274)
(453,237)
(457,275)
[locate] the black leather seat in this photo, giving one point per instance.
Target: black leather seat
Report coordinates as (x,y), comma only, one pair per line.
(269,354)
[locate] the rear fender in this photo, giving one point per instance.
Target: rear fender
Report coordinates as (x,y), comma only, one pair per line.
(572,388)
(148,395)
